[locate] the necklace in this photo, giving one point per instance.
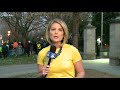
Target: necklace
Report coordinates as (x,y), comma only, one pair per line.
(54,55)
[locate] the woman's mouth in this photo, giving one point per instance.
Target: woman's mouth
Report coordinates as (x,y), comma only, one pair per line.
(55,37)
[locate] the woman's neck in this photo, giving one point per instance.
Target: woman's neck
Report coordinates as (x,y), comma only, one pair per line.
(57,45)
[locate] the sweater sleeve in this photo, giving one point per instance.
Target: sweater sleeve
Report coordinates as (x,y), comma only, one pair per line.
(76,56)
(40,57)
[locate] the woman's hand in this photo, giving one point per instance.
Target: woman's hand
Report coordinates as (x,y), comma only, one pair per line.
(45,70)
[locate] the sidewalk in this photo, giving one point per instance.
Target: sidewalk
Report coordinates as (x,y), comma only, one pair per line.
(13,70)
(102,65)
(98,64)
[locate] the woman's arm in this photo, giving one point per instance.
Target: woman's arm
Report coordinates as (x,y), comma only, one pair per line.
(40,75)
(80,72)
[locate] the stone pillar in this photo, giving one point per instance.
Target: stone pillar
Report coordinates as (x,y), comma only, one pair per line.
(114,50)
(89,42)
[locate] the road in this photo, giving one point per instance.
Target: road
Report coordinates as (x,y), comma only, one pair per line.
(12,70)
(98,64)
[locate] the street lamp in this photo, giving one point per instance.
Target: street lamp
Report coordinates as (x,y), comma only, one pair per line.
(8,33)
(101,30)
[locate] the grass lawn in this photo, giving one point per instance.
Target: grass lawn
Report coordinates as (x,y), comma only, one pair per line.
(24,59)
(98,74)
(89,74)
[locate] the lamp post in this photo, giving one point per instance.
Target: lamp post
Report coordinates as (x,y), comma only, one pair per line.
(101,30)
(8,33)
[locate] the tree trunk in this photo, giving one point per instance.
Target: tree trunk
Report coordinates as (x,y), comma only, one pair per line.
(76,21)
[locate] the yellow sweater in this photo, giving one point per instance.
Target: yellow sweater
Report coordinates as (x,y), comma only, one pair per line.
(63,65)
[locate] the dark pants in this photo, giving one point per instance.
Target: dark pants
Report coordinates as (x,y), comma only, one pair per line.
(5,53)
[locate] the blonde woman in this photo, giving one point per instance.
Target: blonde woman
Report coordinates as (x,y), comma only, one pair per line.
(68,63)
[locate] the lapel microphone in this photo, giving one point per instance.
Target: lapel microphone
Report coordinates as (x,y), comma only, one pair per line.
(51,52)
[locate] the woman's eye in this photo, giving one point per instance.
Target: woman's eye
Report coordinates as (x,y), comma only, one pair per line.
(52,29)
(60,29)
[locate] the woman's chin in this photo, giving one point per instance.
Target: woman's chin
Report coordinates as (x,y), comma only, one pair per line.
(56,41)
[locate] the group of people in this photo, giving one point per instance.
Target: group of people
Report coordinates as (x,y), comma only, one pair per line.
(9,49)
(63,61)
(32,48)
(18,48)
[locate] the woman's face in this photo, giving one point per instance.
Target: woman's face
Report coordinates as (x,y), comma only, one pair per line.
(56,33)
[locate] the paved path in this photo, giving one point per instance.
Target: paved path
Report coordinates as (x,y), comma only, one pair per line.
(12,70)
(98,64)
(102,65)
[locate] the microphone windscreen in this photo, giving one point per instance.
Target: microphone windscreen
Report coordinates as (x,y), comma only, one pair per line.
(52,49)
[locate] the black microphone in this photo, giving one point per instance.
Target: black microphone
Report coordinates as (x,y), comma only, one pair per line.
(52,50)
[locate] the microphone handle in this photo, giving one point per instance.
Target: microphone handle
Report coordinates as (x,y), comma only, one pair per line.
(48,64)
(49,61)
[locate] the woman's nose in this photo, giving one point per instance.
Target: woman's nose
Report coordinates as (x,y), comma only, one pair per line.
(56,31)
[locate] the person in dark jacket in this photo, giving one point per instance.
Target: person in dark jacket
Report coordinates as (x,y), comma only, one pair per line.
(5,50)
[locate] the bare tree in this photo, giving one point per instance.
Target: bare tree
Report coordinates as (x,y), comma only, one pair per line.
(78,17)
(21,23)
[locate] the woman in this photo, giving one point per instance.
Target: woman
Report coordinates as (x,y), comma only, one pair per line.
(68,63)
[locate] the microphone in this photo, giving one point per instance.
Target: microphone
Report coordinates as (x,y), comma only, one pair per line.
(50,54)
(52,51)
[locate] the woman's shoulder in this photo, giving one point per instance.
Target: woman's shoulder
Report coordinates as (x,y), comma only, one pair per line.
(44,50)
(70,46)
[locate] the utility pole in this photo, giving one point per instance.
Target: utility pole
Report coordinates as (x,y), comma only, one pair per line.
(101,30)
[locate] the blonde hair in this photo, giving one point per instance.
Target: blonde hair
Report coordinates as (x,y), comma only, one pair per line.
(64,27)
